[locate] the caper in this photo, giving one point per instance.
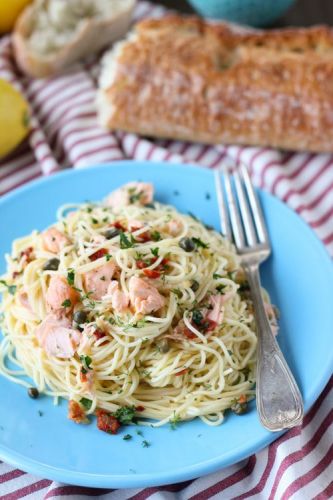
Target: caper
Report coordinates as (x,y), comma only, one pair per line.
(80,317)
(163,346)
(51,264)
(112,233)
(195,286)
(239,408)
(33,392)
(187,244)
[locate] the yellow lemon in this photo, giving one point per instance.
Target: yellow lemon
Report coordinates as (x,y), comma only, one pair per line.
(14,118)
(9,11)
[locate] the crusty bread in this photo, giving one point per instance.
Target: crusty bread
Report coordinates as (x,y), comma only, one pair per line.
(50,35)
(184,78)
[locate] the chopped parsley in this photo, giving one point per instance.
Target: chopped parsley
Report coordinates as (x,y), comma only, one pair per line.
(86,362)
(134,195)
(125,414)
(177,292)
(126,242)
(194,217)
(94,221)
(86,403)
(155,235)
(139,433)
(220,288)
(174,421)
(127,437)
(200,243)
(108,257)
(66,303)
(11,288)
(217,276)
(155,251)
(145,443)
(70,276)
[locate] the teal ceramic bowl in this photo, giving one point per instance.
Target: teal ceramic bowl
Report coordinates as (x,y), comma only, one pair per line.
(252,12)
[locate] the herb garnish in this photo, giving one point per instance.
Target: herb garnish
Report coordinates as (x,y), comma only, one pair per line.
(220,288)
(200,243)
(155,235)
(217,276)
(125,414)
(86,362)
(174,421)
(70,276)
(66,303)
(127,437)
(145,443)
(134,196)
(126,242)
(11,288)
(177,292)
(155,251)
(86,403)
(139,433)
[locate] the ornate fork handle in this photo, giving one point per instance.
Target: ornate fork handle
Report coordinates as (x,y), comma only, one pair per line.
(279,402)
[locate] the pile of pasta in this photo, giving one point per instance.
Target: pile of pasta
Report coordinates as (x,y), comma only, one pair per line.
(129,303)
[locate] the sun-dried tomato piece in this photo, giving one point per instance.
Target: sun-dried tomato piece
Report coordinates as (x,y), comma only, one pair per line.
(76,412)
(98,254)
(106,422)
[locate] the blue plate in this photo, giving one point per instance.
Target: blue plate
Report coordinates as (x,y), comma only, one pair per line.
(37,436)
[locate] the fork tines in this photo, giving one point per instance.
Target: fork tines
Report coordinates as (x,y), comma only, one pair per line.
(241,216)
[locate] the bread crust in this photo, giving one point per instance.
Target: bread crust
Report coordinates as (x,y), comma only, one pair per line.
(94,35)
(184,78)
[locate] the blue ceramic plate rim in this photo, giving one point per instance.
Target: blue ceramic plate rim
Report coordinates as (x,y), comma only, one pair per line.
(200,468)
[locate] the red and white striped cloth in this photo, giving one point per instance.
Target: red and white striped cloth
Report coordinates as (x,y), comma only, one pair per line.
(65,132)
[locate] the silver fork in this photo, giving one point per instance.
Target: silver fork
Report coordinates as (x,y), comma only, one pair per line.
(279,402)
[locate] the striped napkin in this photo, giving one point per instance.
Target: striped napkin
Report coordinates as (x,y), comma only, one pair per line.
(65,133)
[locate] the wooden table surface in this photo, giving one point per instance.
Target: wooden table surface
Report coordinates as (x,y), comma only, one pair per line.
(303,13)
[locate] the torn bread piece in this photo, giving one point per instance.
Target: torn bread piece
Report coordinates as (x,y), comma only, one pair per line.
(50,35)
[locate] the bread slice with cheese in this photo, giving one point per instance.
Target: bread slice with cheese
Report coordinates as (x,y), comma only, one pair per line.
(50,35)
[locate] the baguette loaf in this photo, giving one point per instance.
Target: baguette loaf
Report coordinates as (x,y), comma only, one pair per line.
(50,35)
(184,78)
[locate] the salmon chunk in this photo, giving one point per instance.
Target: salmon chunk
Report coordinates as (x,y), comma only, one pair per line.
(57,337)
(144,296)
(216,313)
(132,193)
(54,240)
(98,280)
(119,299)
(60,295)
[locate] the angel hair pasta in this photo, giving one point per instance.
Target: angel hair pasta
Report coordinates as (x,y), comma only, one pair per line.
(128,308)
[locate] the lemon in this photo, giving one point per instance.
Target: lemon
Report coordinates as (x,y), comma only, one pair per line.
(9,11)
(14,118)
